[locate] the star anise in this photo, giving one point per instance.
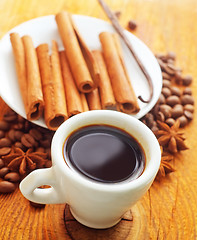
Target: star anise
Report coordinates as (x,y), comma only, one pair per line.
(170,137)
(24,162)
(165,166)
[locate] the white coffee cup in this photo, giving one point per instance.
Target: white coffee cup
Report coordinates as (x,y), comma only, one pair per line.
(94,204)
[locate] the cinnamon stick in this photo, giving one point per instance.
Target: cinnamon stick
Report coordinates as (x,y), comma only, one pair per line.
(74,54)
(74,105)
(19,56)
(93,100)
(120,31)
(35,102)
(105,89)
(52,84)
(84,102)
(126,101)
(88,55)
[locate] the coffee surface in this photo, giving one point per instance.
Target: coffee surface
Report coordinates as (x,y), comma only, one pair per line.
(104,153)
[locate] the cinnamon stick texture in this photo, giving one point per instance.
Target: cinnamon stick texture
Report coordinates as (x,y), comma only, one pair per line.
(84,102)
(74,54)
(105,89)
(123,92)
(73,99)
(88,55)
(52,85)
(34,95)
(93,100)
(19,56)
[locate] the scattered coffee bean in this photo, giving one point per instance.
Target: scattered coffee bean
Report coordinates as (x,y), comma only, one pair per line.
(11,135)
(1,163)
(189,107)
(161,99)
(175,91)
(166,110)
(177,111)
(187,99)
(171,55)
(117,14)
(4,151)
(5,142)
(187,91)
(7,187)
(48,164)
(160,116)
(166,76)
(4,171)
(172,100)
(166,92)
(10,116)
(187,80)
(183,121)
(2,134)
(18,135)
(35,134)
(188,115)
(166,83)
(132,25)
(27,140)
(170,121)
(4,125)
(12,177)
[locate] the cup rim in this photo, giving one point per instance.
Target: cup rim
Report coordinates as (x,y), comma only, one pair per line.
(145,178)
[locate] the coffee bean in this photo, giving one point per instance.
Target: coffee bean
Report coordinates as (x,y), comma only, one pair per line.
(2,134)
(48,150)
(12,177)
(183,121)
(187,80)
(132,25)
(5,151)
(4,171)
(166,92)
(40,149)
(45,143)
(35,134)
(18,126)
(175,91)
(187,99)
(48,164)
(19,145)
(10,116)
(170,121)
(166,76)
(161,99)
(178,78)
(160,116)
(7,187)
(11,135)
(117,13)
(177,111)
(166,110)
(171,55)
(5,142)
(4,125)
(189,107)
(172,100)
(188,115)
(18,135)
(187,91)
(166,83)
(27,140)
(1,163)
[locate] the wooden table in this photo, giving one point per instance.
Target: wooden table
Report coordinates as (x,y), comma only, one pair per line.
(169,209)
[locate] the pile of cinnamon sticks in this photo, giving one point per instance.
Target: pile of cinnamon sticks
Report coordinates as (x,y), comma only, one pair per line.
(64,83)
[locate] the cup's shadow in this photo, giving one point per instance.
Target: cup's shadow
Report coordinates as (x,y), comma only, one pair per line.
(78,231)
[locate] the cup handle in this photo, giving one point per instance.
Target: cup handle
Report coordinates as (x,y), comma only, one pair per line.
(29,187)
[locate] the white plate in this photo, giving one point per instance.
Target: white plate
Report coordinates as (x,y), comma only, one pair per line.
(44,29)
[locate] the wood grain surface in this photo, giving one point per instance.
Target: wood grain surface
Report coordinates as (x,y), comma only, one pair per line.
(169,209)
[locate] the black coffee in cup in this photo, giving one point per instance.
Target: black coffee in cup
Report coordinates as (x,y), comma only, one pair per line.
(104,153)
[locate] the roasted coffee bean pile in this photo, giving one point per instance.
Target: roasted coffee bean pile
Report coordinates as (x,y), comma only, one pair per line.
(15,131)
(176,100)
